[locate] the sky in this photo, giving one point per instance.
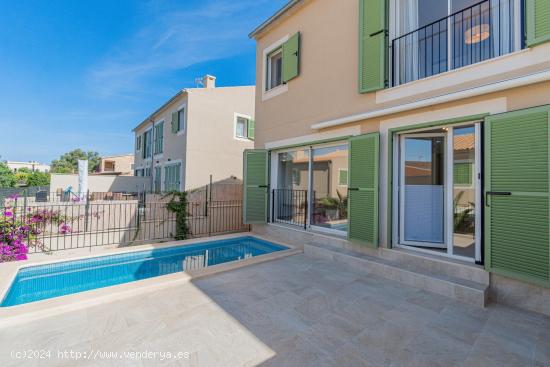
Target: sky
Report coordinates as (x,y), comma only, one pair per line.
(82,74)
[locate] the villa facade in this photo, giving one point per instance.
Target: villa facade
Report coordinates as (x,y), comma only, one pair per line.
(199,132)
(409,127)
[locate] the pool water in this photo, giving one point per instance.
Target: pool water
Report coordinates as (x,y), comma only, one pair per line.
(48,281)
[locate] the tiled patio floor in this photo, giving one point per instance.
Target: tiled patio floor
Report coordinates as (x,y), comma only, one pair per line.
(297,311)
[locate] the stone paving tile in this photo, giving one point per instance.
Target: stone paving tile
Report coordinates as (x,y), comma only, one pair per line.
(295,311)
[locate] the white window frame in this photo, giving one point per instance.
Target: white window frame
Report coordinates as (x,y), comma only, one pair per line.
(448,223)
(283,88)
(183,126)
(235,120)
(275,180)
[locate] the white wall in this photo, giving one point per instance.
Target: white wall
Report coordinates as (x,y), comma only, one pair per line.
(101,183)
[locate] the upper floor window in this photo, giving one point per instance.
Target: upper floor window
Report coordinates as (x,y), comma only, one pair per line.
(159,137)
(138,142)
(244,127)
(435,36)
(178,120)
(275,69)
(147,144)
(181,119)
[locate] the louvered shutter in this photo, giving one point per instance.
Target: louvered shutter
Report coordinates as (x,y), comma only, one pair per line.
(538,21)
(251,128)
(291,58)
(372,45)
(516,194)
(363,189)
(256,189)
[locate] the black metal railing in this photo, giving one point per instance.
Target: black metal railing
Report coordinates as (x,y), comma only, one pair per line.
(62,225)
(480,32)
(289,206)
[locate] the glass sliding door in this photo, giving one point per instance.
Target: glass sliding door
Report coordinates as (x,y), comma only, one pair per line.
(310,187)
(330,187)
(423,190)
(291,194)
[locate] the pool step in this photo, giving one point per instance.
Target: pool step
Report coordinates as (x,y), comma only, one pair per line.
(464,290)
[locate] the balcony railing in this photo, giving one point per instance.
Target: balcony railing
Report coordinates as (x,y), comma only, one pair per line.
(477,33)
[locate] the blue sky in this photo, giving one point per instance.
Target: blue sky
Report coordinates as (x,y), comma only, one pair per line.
(82,74)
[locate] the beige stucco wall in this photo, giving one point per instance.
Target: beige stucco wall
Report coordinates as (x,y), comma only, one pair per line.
(327,87)
(122,164)
(211,144)
(208,144)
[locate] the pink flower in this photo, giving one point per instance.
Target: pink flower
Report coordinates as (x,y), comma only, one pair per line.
(65,229)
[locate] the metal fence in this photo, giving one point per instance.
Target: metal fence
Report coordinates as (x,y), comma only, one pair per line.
(5,193)
(100,219)
(289,206)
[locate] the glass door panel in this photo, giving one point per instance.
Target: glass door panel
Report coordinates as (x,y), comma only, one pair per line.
(464,191)
(330,187)
(291,194)
(423,188)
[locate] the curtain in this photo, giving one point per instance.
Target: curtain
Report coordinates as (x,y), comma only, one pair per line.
(502,27)
(408,47)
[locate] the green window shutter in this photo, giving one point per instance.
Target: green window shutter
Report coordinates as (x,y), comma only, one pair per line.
(363,189)
(373,49)
(462,172)
(291,58)
(251,127)
(538,21)
(517,195)
(343,177)
(175,116)
(255,186)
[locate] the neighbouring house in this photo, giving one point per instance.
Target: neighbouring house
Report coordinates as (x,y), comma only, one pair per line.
(197,133)
(32,165)
(122,165)
(414,131)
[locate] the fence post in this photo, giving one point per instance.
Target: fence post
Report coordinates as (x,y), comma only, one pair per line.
(208,206)
(86,211)
(272,219)
(305,212)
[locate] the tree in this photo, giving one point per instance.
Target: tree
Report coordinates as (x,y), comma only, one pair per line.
(68,162)
(24,170)
(38,179)
(7,177)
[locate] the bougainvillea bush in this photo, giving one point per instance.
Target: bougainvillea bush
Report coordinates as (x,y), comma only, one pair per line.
(21,230)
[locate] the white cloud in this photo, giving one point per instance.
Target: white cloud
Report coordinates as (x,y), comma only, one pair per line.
(174,39)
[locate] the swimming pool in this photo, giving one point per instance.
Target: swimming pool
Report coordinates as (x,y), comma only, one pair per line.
(37,283)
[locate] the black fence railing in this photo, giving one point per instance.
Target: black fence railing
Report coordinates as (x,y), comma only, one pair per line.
(477,33)
(289,206)
(63,225)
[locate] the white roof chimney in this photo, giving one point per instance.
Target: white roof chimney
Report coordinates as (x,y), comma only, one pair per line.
(209,81)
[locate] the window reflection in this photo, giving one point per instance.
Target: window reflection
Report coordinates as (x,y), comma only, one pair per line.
(330,187)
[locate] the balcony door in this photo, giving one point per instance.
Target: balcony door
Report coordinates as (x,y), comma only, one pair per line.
(437,183)
(430,37)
